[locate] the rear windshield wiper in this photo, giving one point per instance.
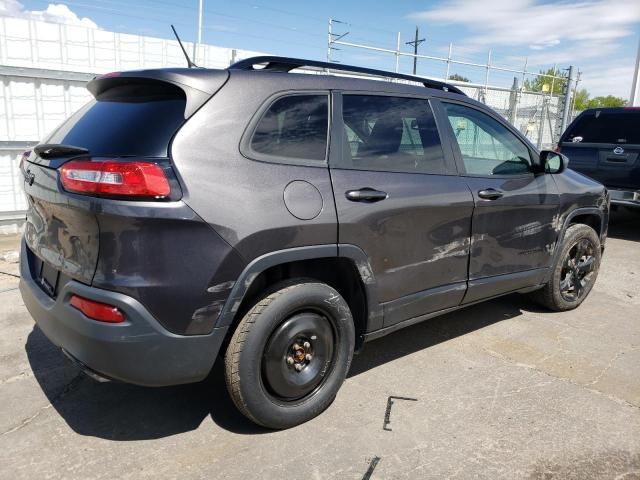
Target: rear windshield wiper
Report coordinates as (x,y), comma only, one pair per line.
(54,150)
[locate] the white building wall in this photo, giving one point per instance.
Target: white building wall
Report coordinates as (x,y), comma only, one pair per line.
(43,71)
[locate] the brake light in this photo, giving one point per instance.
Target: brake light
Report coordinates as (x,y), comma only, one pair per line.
(115,178)
(101,312)
(556,149)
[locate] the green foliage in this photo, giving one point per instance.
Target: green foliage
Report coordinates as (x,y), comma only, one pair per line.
(581,100)
(608,101)
(458,78)
(537,84)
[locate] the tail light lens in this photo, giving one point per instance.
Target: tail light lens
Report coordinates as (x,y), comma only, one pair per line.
(556,149)
(115,178)
(101,312)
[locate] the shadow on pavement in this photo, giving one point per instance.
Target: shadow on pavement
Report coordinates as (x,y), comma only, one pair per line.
(119,411)
(624,223)
(122,412)
(437,330)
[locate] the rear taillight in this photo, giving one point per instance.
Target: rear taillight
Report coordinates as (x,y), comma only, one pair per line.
(557,149)
(115,178)
(101,312)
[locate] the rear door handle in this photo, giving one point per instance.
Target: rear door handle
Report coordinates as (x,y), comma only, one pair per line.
(367,195)
(490,194)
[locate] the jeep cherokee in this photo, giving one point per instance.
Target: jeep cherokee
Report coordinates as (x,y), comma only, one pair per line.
(280,220)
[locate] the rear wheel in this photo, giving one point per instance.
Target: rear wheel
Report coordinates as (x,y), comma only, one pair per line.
(290,354)
(575,270)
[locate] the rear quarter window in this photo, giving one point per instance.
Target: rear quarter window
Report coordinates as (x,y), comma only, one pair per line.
(294,129)
(126,120)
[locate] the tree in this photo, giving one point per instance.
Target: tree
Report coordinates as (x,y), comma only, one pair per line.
(458,78)
(581,100)
(543,84)
(608,101)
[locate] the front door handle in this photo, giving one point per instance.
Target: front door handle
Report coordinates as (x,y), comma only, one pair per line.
(490,194)
(367,195)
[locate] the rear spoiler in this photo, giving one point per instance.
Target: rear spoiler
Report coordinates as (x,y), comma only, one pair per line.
(198,85)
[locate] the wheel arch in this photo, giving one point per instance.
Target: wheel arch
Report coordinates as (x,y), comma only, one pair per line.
(591,216)
(344,267)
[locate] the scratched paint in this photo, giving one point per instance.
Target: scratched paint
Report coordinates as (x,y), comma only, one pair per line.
(457,248)
(221,287)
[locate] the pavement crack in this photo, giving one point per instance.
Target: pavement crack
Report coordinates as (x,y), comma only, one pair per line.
(610,364)
(67,389)
(583,386)
(9,274)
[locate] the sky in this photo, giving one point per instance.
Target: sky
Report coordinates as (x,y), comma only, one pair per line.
(599,37)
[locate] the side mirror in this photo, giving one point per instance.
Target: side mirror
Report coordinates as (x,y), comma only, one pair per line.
(553,162)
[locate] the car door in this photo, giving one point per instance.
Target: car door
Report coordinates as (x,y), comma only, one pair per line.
(399,198)
(516,216)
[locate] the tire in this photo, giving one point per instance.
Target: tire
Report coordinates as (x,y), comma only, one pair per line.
(573,274)
(290,354)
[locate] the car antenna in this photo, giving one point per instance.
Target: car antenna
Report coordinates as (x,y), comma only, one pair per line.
(190,64)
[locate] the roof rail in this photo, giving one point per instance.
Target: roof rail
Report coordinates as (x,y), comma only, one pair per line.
(285,64)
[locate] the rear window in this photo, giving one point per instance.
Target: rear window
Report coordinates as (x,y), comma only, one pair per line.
(606,127)
(294,127)
(126,120)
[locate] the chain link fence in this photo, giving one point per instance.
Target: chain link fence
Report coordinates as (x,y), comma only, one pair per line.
(533,102)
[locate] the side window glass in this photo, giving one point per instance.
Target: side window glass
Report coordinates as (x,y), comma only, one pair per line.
(487,147)
(294,127)
(391,134)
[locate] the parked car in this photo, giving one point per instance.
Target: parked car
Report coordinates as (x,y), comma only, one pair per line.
(604,143)
(284,219)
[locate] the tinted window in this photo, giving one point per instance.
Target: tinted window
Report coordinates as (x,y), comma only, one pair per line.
(606,127)
(392,134)
(487,147)
(126,120)
(294,127)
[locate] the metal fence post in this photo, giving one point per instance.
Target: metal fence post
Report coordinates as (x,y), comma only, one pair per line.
(398,52)
(567,101)
(543,113)
(513,101)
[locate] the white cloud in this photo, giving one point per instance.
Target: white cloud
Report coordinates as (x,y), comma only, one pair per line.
(55,12)
(584,33)
(608,79)
(541,25)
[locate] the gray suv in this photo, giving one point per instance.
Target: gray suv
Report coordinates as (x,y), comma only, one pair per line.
(281,220)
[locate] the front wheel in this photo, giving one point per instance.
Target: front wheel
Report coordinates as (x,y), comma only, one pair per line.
(575,270)
(290,354)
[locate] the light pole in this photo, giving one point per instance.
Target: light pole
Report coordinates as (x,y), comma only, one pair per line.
(634,98)
(199,41)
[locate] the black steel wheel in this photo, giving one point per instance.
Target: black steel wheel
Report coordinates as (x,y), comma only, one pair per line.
(290,353)
(297,356)
(575,270)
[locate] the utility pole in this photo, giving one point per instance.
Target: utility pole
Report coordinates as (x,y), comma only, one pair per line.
(199,41)
(566,91)
(415,44)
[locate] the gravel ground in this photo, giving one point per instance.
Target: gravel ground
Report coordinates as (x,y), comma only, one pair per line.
(502,390)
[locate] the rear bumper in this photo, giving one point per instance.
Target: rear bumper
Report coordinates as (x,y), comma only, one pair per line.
(628,198)
(138,351)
